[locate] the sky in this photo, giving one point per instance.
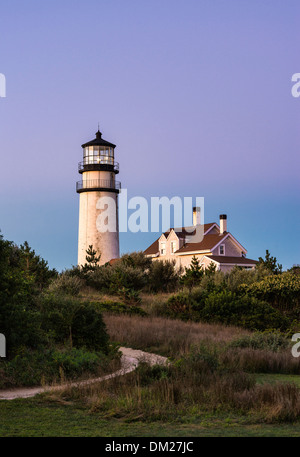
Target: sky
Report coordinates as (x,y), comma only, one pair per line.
(196,94)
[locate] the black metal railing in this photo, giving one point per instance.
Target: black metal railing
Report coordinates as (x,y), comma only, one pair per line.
(86,165)
(95,184)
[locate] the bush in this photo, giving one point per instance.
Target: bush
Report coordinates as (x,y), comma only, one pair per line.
(212,282)
(136,260)
(126,276)
(281,291)
(163,276)
(272,341)
(225,307)
(238,276)
(66,284)
(112,278)
(245,311)
(46,366)
(101,278)
(69,321)
(181,305)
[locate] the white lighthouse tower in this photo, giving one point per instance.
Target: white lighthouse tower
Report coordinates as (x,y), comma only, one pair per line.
(98,170)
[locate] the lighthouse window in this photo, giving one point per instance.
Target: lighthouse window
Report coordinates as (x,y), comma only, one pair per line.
(91,154)
(98,155)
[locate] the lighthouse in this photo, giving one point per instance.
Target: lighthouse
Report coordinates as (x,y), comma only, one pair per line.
(98,190)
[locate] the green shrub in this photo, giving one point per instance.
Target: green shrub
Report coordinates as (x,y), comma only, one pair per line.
(212,282)
(225,307)
(112,278)
(118,308)
(239,276)
(127,276)
(181,305)
(147,374)
(281,291)
(245,311)
(31,368)
(203,358)
(89,330)
(273,341)
(69,321)
(66,284)
(163,276)
(101,278)
(136,260)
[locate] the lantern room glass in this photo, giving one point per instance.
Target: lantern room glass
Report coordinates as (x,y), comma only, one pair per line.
(98,155)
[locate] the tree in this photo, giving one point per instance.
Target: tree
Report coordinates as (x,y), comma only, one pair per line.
(193,273)
(210,269)
(270,263)
(19,319)
(35,266)
(92,259)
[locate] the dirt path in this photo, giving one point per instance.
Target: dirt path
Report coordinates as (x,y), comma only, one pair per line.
(129,361)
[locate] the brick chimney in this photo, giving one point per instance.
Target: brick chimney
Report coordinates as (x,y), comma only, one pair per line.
(196,215)
(223,223)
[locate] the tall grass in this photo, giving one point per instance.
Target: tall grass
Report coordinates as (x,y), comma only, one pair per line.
(260,361)
(190,388)
(169,337)
(212,370)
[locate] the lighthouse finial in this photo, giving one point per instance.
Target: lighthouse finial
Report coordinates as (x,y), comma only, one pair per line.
(98,133)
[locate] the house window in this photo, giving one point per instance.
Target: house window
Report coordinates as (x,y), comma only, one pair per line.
(163,248)
(173,247)
(222,249)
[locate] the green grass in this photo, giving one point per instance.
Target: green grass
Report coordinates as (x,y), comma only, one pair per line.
(40,418)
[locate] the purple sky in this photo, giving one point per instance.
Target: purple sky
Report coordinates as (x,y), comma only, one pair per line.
(195,93)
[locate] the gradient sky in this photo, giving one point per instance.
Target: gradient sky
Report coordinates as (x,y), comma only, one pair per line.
(195,93)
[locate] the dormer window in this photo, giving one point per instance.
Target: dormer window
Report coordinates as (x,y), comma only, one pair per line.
(222,249)
(173,247)
(162,248)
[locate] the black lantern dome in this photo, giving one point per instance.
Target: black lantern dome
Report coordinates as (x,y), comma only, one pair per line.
(98,141)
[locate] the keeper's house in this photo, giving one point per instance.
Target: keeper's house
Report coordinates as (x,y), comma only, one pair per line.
(217,246)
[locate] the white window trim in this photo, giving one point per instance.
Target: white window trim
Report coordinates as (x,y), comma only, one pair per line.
(173,243)
(222,245)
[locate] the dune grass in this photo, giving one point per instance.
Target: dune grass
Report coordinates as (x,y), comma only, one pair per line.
(169,337)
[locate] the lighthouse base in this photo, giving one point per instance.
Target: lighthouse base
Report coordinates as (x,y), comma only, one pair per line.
(92,232)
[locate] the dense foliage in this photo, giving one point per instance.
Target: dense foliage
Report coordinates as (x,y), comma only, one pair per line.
(131,273)
(258,299)
(42,320)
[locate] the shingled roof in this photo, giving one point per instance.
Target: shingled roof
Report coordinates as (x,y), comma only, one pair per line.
(182,233)
(232,260)
(208,243)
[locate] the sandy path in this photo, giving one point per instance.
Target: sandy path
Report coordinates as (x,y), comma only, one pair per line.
(129,361)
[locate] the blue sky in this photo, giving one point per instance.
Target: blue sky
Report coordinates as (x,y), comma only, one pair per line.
(196,94)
